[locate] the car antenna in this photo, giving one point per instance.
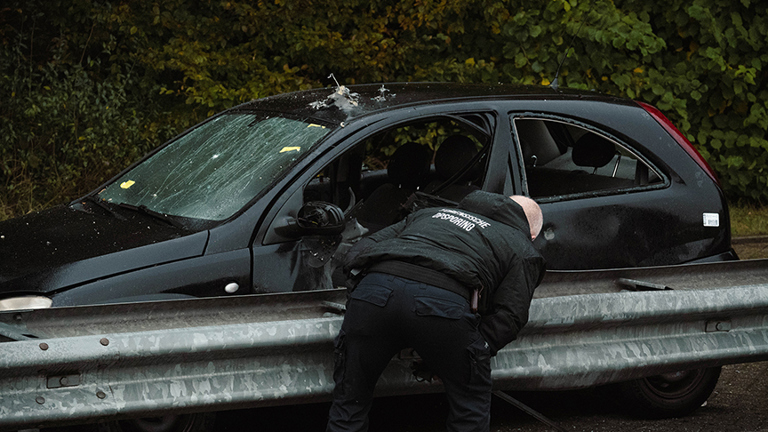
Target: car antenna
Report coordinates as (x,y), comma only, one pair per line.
(554,84)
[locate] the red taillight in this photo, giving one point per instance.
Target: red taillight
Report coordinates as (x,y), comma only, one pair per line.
(680,138)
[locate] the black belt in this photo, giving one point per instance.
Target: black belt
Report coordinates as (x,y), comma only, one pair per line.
(421,274)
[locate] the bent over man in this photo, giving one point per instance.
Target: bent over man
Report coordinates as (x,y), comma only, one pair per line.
(455,284)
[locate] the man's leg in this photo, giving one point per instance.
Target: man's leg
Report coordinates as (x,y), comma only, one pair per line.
(469,390)
(452,347)
(363,348)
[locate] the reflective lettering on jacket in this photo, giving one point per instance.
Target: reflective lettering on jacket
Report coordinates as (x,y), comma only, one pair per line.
(463,220)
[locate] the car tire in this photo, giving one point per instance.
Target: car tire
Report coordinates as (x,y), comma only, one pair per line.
(668,395)
(196,422)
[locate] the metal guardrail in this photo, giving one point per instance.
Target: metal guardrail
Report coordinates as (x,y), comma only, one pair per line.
(144,359)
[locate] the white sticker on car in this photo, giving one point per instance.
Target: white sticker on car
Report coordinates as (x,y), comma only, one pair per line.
(711,220)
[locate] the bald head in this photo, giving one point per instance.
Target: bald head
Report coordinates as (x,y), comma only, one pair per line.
(532,213)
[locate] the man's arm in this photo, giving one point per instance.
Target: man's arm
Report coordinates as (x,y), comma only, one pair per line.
(510,303)
(389,232)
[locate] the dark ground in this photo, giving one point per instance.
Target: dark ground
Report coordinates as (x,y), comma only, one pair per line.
(751,247)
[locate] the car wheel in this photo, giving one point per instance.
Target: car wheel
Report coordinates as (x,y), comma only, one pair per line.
(197,422)
(673,394)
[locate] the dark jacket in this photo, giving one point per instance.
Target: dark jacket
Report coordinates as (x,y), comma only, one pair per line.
(485,244)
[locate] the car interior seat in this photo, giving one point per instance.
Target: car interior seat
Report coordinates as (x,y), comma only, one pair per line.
(536,142)
(592,151)
(453,155)
(407,172)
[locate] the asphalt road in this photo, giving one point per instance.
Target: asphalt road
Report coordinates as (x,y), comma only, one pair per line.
(738,403)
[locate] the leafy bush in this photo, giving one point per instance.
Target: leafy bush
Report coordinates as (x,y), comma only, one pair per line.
(69,132)
(91,85)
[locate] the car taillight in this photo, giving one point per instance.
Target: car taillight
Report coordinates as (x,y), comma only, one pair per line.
(680,138)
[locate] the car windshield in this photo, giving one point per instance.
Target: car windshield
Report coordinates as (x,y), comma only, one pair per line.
(212,171)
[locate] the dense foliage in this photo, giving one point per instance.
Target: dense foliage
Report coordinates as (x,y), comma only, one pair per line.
(90,86)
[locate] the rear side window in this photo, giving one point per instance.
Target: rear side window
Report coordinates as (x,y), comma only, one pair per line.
(563,159)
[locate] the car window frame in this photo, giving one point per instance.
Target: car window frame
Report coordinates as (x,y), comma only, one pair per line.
(365,128)
(629,148)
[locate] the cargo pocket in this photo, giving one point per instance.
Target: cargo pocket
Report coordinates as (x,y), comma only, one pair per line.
(479,361)
(372,293)
(339,357)
(439,307)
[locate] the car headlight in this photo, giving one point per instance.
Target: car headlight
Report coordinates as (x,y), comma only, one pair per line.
(25,302)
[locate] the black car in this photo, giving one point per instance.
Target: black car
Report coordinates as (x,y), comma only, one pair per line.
(266,196)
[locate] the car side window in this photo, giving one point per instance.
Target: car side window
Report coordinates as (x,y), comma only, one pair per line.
(562,159)
(372,182)
(442,156)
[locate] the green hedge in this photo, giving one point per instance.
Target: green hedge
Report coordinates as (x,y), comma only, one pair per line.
(89,86)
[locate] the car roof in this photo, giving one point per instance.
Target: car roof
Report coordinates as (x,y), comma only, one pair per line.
(345,103)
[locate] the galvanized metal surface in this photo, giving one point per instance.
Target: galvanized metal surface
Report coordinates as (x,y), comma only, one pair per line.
(107,362)
(686,277)
(172,314)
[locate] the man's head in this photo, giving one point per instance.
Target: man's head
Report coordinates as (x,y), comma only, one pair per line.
(532,213)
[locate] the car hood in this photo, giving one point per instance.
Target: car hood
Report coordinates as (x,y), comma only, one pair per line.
(66,246)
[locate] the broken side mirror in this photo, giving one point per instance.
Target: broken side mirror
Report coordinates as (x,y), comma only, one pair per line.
(314,218)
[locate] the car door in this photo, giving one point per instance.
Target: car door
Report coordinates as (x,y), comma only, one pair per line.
(371,175)
(605,204)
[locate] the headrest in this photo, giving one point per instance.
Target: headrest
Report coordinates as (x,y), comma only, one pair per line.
(454,153)
(592,150)
(409,166)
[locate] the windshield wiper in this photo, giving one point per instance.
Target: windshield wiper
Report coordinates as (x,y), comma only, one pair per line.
(104,206)
(149,212)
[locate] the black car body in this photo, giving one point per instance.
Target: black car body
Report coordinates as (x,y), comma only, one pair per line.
(247,201)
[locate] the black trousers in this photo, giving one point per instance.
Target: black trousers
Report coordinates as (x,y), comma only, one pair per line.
(386,314)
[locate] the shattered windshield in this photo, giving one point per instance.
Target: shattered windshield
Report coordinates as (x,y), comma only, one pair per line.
(215,169)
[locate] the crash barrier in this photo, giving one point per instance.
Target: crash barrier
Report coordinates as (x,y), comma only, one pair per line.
(146,359)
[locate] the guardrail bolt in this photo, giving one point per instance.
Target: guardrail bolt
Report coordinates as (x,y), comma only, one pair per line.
(40,400)
(101,395)
(718,326)
(43,346)
(104,341)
